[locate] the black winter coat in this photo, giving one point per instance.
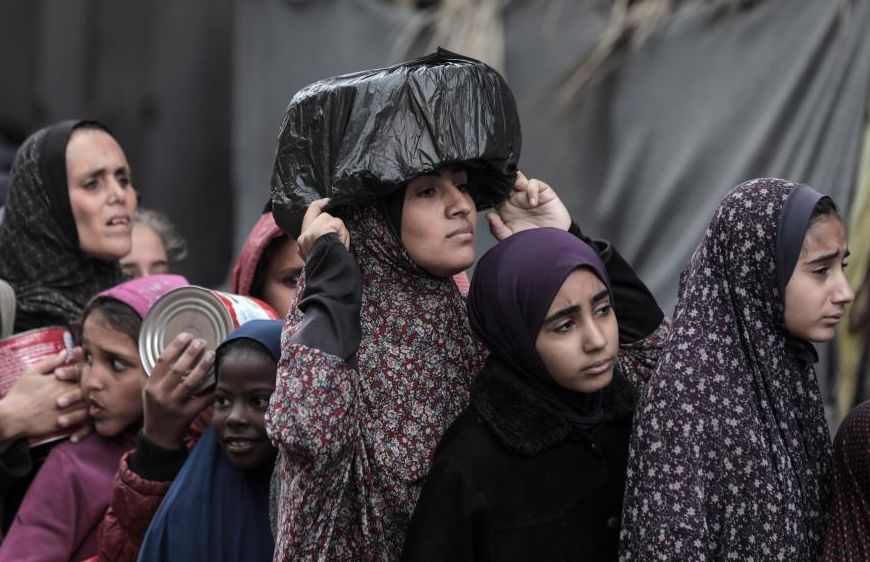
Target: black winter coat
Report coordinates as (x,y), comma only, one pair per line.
(513,482)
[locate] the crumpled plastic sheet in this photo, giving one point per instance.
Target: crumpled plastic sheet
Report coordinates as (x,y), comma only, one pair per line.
(360,136)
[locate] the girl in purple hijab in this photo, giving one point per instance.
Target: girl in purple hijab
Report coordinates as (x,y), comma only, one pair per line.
(730,452)
(534,468)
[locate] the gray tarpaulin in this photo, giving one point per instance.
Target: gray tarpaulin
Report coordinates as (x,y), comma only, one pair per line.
(778,91)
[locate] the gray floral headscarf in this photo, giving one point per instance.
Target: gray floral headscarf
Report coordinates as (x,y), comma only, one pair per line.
(730,452)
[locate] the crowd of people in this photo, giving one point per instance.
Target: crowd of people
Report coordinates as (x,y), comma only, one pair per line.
(546,410)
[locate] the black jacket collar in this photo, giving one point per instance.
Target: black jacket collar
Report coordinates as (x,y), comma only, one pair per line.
(518,418)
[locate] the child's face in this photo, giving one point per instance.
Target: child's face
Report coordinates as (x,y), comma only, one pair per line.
(580,337)
(112,376)
(818,291)
(282,276)
(246,380)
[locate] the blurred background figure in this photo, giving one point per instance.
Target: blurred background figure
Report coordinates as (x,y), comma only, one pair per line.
(11,137)
(156,245)
(269,265)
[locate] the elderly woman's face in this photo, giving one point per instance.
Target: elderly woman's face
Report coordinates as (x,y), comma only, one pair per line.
(100,193)
(438,220)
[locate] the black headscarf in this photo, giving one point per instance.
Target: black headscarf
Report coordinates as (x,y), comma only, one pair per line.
(39,247)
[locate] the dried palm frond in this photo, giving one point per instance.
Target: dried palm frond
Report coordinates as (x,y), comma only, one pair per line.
(474,28)
(630,24)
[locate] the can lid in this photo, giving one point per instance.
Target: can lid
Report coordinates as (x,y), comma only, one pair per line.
(191,309)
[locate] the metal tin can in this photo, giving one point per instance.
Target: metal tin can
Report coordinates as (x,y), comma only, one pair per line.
(20,351)
(204,313)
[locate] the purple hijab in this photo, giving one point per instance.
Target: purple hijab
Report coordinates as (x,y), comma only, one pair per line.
(730,451)
(513,286)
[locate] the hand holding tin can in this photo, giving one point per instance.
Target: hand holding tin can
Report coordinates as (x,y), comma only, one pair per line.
(39,403)
(172,396)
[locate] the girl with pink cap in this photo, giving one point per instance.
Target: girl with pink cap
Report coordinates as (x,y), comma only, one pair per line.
(63,507)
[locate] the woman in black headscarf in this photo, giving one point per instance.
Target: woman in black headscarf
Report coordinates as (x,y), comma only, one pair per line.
(67,223)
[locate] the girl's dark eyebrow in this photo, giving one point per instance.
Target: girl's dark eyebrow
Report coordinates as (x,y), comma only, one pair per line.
(262,389)
(825,257)
(115,354)
(86,342)
(568,311)
(600,296)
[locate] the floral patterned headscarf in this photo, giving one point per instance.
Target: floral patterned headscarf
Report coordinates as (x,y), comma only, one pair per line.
(730,452)
(417,355)
(388,407)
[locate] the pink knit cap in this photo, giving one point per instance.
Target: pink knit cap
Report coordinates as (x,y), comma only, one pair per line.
(141,293)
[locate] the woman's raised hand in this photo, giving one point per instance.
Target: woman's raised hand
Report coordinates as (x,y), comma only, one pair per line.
(531,204)
(317,223)
(172,397)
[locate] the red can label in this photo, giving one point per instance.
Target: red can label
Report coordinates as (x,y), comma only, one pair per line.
(23,350)
(244,309)
(20,351)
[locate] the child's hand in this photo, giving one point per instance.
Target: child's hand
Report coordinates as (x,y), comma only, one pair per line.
(317,223)
(531,204)
(171,399)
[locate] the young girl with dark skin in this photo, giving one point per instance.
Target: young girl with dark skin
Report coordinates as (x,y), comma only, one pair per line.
(60,513)
(217,508)
(534,468)
(267,268)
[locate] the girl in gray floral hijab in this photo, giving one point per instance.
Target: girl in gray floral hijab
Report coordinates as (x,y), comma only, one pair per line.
(730,452)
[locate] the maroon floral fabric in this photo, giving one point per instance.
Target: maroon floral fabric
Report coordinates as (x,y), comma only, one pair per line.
(730,452)
(848,535)
(356,441)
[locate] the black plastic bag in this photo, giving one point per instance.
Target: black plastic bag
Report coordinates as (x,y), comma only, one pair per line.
(360,136)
